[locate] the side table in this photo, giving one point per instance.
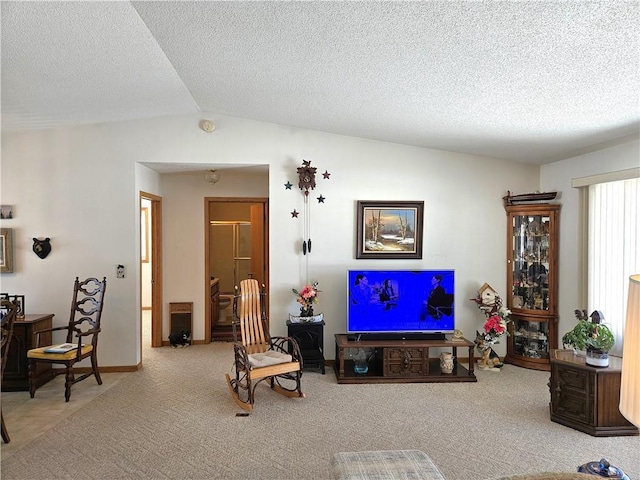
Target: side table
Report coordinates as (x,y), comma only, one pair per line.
(310,338)
(586,398)
(16,373)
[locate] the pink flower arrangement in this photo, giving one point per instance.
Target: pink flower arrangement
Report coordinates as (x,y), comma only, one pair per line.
(307,297)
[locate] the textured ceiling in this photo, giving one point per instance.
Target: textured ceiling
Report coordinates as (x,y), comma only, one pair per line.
(527,81)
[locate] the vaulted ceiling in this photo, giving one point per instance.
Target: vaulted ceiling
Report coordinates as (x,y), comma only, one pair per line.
(530,81)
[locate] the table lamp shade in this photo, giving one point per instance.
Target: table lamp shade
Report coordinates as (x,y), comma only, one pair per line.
(630,386)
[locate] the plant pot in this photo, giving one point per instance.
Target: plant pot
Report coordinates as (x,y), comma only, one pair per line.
(597,358)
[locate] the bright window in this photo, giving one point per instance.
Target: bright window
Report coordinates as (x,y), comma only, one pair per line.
(613,250)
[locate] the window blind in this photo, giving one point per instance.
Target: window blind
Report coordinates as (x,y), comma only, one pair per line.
(613,250)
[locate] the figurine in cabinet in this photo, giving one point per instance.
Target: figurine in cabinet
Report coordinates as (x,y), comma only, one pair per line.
(537,301)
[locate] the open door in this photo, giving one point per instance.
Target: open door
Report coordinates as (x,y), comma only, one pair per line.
(151,264)
(257,243)
(236,248)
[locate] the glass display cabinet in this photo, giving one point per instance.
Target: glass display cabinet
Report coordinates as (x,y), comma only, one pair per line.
(532,283)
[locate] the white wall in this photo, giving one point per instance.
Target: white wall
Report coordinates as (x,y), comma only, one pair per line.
(557,176)
(80,186)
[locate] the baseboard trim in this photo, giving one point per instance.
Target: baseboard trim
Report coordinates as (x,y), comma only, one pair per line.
(114,369)
(166,343)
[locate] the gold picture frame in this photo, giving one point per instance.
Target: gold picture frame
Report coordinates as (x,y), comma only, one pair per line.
(389,230)
(6,250)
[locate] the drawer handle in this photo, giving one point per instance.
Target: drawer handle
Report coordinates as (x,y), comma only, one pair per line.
(406,360)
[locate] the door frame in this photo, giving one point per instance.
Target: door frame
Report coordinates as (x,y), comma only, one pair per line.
(207,242)
(155,257)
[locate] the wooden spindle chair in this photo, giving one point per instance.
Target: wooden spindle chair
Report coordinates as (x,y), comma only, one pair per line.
(82,336)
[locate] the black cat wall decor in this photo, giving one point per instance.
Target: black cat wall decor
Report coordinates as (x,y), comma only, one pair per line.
(42,248)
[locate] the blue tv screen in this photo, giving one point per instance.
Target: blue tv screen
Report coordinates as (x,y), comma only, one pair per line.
(399,301)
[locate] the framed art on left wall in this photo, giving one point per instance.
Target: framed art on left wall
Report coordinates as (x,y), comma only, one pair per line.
(6,250)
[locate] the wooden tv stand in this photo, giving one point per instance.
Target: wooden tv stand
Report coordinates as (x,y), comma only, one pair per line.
(398,361)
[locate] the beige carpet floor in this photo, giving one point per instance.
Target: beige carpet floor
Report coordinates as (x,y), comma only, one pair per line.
(175,419)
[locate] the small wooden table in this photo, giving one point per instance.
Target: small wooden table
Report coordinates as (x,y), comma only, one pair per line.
(586,398)
(16,374)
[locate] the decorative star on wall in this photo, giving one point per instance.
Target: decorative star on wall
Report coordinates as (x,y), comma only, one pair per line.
(294,214)
(288,185)
(320,199)
(326,175)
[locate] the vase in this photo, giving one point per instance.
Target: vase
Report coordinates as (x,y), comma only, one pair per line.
(597,358)
(306,311)
(446,362)
(360,358)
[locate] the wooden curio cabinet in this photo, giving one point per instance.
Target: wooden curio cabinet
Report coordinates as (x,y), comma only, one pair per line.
(532,283)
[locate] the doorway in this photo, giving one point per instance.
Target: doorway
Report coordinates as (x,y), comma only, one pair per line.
(150,269)
(236,247)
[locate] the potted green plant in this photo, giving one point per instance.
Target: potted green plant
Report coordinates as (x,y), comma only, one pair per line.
(591,335)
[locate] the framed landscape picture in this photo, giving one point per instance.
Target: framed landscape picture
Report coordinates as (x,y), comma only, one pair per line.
(391,229)
(6,250)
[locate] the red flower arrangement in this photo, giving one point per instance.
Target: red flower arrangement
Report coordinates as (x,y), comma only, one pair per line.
(494,327)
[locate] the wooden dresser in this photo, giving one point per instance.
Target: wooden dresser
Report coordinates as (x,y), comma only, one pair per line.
(586,398)
(16,374)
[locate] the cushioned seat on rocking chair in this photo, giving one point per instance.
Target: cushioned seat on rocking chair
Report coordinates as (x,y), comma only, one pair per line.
(257,355)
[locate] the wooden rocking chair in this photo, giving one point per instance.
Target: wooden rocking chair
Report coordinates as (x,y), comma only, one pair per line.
(258,356)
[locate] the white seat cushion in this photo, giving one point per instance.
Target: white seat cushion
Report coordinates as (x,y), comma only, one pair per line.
(270,357)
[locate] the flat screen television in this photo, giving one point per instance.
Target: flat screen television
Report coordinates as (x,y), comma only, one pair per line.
(400,303)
